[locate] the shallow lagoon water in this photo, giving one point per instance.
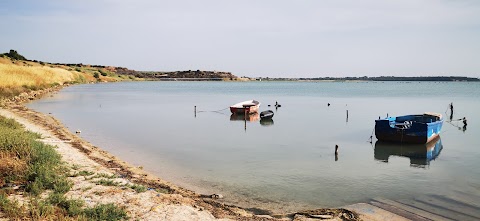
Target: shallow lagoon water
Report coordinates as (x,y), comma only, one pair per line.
(287,164)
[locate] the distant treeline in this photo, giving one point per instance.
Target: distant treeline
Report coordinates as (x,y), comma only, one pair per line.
(393,78)
(381,78)
(190,74)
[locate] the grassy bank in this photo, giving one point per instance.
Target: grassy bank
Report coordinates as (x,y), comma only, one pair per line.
(19,76)
(34,172)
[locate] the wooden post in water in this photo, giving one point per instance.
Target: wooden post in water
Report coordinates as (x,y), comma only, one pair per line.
(347,116)
(245,118)
(336,152)
(195,110)
(346,107)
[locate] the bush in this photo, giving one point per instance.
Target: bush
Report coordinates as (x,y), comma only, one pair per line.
(38,167)
(103,73)
(106,212)
(71,206)
(11,209)
(15,55)
(138,188)
(37,164)
(96,75)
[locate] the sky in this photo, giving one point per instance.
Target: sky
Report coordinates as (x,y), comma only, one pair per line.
(255,38)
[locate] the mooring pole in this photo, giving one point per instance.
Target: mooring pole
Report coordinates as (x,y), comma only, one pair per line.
(195,110)
(245,118)
(347,116)
(336,152)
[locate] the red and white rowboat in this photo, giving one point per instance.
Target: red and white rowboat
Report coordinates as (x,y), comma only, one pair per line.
(248,107)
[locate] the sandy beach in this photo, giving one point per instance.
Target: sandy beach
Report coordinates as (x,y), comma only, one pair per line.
(90,166)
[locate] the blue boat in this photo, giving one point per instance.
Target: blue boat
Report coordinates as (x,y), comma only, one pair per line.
(420,129)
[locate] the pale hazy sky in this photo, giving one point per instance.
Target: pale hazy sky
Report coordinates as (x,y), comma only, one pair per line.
(276,38)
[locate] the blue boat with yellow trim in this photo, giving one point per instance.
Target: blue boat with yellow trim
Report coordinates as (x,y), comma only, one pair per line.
(421,128)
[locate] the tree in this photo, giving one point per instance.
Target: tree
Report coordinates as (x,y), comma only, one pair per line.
(15,55)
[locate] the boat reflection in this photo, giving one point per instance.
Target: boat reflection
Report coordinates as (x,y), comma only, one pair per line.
(266,122)
(241,117)
(420,154)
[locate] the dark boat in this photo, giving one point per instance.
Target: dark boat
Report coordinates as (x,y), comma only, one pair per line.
(420,155)
(268,114)
(418,129)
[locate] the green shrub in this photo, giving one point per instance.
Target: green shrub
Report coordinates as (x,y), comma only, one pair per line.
(42,162)
(11,209)
(105,182)
(102,72)
(106,212)
(40,209)
(138,188)
(80,79)
(82,173)
(54,84)
(71,206)
(105,175)
(43,170)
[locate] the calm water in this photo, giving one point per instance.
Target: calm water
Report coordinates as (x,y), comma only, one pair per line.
(286,164)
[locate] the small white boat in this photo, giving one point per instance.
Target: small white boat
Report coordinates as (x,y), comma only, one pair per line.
(245,107)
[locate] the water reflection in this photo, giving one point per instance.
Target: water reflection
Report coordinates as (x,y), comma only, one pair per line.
(455,124)
(420,154)
(266,122)
(248,117)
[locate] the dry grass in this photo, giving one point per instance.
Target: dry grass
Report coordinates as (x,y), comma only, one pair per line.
(16,75)
(11,165)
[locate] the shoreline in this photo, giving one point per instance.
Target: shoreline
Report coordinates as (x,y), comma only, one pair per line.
(162,200)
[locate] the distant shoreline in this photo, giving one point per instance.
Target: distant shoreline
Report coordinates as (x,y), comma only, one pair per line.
(203,75)
(377,79)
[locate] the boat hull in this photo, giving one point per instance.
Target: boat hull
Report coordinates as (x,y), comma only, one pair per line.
(243,110)
(268,114)
(418,129)
(246,107)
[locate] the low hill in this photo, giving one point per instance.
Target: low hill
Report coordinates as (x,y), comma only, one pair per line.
(18,74)
(188,75)
(127,73)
